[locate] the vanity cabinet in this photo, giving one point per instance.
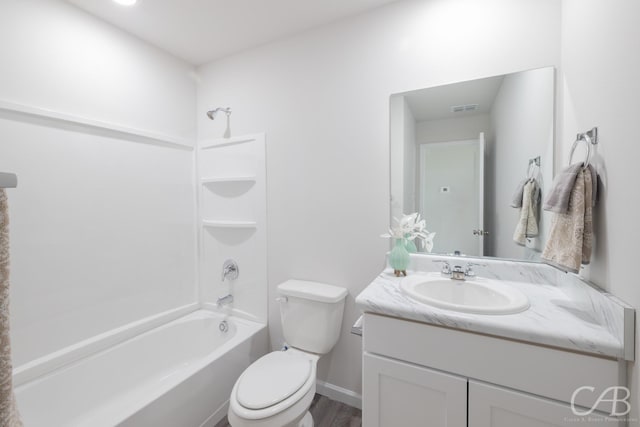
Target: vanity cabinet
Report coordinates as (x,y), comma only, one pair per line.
(416,374)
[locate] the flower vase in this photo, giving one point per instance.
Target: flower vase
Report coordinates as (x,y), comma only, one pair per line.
(399,258)
(410,245)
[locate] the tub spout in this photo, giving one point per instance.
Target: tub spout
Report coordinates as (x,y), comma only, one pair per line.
(225,300)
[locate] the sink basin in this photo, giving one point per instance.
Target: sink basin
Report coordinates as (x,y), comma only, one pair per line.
(479,296)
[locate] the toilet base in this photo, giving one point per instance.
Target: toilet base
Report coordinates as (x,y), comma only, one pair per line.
(306,421)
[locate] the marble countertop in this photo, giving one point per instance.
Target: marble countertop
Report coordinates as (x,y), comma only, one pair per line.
(554,318)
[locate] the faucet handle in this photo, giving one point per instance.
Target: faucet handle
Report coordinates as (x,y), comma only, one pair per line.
(468,271)
(230,270)
(446,267)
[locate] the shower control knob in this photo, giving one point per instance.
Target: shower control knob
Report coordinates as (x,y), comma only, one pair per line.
(230,270)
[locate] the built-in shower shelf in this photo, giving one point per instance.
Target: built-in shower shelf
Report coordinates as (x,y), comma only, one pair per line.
(227,179)
(228,224)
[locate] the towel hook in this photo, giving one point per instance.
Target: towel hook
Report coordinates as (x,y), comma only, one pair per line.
(582,137)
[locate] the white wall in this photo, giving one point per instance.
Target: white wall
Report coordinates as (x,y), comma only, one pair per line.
(600,87)
(101,226)
(323,99)
(456,129)
(57,57)
(522,119)
(397,110)
(403,157)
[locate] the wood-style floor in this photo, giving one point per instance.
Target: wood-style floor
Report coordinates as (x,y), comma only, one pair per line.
(327,413)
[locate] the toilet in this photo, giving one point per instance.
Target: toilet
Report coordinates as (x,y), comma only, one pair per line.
(277,389)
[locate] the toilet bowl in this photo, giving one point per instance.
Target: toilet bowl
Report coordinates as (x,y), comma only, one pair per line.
(277,389)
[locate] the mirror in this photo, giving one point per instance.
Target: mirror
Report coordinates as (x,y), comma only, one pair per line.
(460,151)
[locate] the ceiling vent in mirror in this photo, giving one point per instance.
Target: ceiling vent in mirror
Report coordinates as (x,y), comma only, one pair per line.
(461,108)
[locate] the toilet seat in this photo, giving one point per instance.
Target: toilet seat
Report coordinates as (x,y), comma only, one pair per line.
(301,397)
(271,379)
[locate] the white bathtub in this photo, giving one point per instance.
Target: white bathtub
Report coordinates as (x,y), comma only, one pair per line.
(177,375)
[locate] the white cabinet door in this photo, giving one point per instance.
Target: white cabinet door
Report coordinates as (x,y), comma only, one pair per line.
(492,406)
(399,394)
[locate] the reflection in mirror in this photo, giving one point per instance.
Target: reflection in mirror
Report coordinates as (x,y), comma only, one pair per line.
(460,152)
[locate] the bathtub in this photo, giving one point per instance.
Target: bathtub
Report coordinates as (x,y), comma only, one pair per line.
(177,375)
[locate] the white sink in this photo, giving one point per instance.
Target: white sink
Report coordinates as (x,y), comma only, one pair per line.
(479,296)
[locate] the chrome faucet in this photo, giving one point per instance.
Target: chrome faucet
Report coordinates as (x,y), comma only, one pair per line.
(225,300)
(230,270)
(458,273)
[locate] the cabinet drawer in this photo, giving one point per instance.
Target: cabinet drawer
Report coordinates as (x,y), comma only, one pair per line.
(534,369)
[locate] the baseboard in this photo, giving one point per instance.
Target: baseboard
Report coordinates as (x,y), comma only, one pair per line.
(340,394)
(217,416)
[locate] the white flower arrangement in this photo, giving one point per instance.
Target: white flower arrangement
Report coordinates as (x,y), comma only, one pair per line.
(411,227)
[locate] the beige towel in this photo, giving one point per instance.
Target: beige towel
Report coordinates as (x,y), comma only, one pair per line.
(528,222)
(9,416)
(570,239)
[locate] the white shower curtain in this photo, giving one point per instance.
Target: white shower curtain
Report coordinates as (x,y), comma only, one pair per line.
(9,416)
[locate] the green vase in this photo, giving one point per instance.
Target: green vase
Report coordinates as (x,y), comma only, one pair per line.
(410,245)
(399,258)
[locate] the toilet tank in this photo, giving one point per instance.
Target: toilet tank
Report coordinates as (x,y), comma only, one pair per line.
(311,314)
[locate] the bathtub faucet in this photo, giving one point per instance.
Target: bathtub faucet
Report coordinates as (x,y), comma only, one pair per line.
(225,300)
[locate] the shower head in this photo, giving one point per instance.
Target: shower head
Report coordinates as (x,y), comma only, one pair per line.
(212,114)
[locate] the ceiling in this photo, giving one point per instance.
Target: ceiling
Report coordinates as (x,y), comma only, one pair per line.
(200,31)
(435,103)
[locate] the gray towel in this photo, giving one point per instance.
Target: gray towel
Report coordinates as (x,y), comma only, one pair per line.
(558,199)
(516,202)
(594,185)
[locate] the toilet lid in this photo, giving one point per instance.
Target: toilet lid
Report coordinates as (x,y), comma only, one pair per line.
(271,379)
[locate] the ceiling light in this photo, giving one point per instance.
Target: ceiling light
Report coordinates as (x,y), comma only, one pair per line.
(126,2)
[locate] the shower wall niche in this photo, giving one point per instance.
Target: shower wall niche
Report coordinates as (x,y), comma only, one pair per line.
(232,222)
